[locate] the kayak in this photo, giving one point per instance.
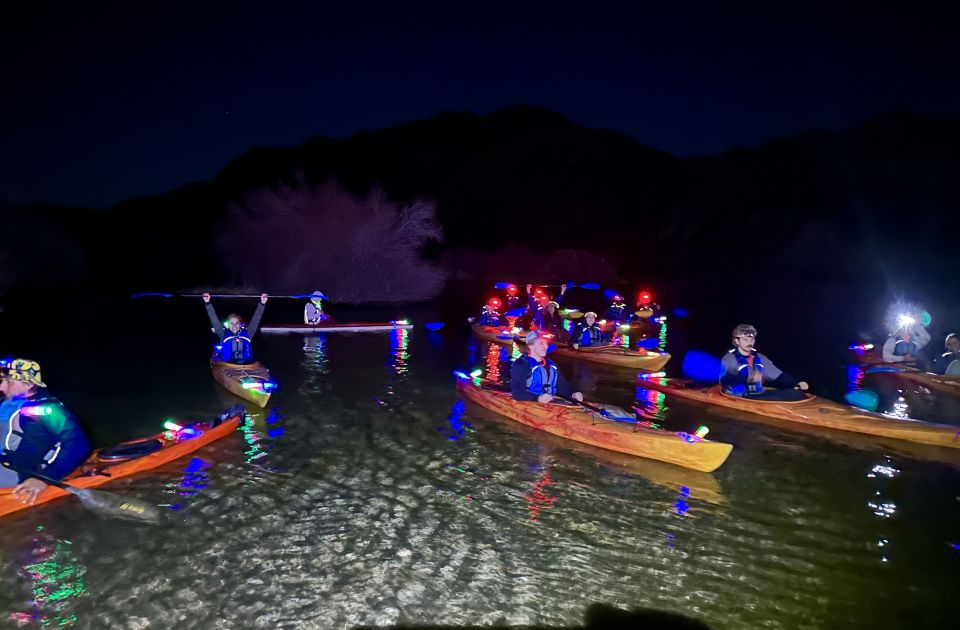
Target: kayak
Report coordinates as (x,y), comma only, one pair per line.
(814,411)
(635,359)
(581,425)
(248,382)
(694,484)
(129,458)
(639,359)
(494,333)
(938,382)
(401,324)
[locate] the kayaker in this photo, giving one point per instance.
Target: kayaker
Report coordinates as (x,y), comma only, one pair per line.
(235,345)
(39,433)
(513,300)
(905,343)
(313,311)
(617,310)
(744,371)
(534,377)
(949,361)
(588,332)
(490,316)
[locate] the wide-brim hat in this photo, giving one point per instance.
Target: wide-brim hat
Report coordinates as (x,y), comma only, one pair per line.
(23,370)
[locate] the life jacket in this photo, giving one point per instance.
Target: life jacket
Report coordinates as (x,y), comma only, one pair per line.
(543,378)
(234,348)
(489,318)
(616,311)
(905,346)
(590,335)
(14,414)
(744,363)
(313,314)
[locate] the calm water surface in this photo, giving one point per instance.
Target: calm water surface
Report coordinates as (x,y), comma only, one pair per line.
(368,494)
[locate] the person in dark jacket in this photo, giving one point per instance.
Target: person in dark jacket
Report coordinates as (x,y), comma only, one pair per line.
(534,377)
(39,433)
(235,339)
(745,372)
(949,361)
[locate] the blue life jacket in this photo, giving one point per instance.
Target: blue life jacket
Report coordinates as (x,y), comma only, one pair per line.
(234,348)
(542,379)
(904,347)
(743,368)
(590,335)
(489,318)
(11,430)
(616,311)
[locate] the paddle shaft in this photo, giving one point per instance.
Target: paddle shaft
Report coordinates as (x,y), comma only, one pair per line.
(47,480)
(225,295)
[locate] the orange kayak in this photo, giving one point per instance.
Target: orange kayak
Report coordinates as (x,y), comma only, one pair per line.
(635,359)
(494,333)
(581,425)
(815,411)
(938,382)
(243,381)
(108,464)
(616,355)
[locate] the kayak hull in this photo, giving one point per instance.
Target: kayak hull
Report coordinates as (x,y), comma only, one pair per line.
(580,425)
(937,382)
(608,355)
(494,334)
(617,356)
(288,329)
(815,411)
(90,473)
(231,377)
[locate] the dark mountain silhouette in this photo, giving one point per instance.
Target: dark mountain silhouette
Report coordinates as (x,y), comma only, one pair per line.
(853,205)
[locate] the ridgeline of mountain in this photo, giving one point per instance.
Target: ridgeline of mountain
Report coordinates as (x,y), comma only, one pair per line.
(854,203)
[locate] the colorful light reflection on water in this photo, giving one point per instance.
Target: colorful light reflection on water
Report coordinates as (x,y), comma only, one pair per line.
(57,582)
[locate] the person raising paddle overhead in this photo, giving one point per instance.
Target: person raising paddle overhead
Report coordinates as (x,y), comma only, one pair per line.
(235,344)
(39,434)
(534,377)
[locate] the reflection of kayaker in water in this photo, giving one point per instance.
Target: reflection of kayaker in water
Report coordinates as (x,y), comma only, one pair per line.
(905,343)
(949,362)
(744,371)
(313,311)
(235,345)
(39,434)
(534,377)
(588,332)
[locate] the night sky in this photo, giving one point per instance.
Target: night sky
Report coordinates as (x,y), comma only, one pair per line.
(104,104)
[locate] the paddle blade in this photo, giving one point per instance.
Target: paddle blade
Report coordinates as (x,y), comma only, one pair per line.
(516,312)
(143,295)
(502,285)
(863,399)
(111,505)
(701,366)
(589,285)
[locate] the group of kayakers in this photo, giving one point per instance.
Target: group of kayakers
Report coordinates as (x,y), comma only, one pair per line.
(40,435)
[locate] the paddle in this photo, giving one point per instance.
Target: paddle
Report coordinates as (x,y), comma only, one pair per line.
(598,410)
(570,285)
(103,503)
(302,296)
